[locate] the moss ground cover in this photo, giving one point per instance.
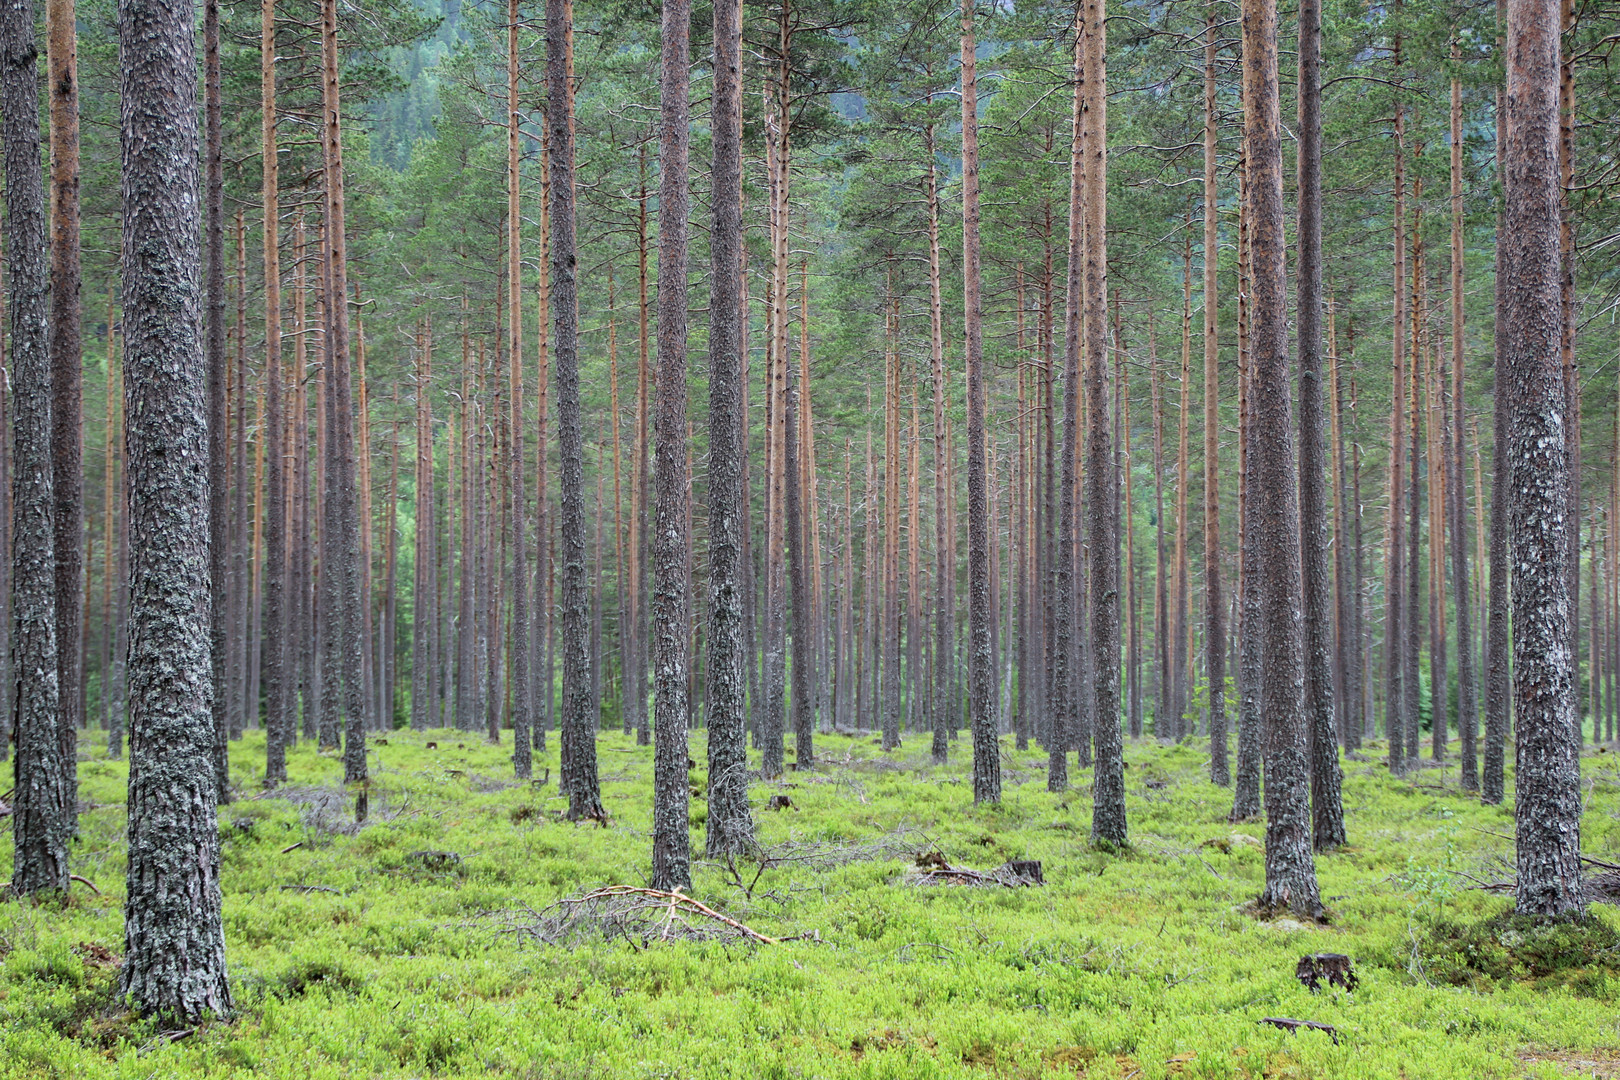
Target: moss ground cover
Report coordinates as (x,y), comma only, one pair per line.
(354,954)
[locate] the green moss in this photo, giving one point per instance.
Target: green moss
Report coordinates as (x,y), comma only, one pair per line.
(1582,956)
(350,957)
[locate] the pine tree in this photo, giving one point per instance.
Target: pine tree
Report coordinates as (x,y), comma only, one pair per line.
(174,940)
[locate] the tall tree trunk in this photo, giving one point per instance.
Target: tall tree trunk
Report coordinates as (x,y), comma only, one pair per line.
(1246,789)
(1412,619)
(798,529)
(111,500)
(340,442)
(237,638)
(1547,811)
(1214,602)
(218,378)
(279,732)
(1066,687)
(578,727)
(1327,808)
(43,808)
(1108,806)
(671,612)
(174,940)
(981,674)
(730,830)
(1290,866)
(1498,642)
(1394,578)
(938,707)
(522,685)
(67,419)
(424,590)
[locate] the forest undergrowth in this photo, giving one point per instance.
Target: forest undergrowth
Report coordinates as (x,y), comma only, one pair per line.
(416,945)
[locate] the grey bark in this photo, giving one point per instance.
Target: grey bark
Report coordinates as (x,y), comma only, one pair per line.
(982,712)
(671,600)
(578,726)
(1547,810)
(730,830)
(1290,864)
(174,941)
(1102,483)
(42,809)
(1327,806)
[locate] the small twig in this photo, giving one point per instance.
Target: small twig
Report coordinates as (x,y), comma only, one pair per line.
(292,847)
(1599,862)
(86,882)
(313,888)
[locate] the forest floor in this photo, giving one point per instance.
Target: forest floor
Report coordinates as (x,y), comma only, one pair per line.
(427,943)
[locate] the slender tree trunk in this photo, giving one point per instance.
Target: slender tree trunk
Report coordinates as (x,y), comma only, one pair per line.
(729,828)
(218,378)
(1108,806)
(42,801)
(1290,867)
(1547,809)
(1214,602)
(797,530)
(174,940)
(522,685)
(671,614)
(1394,578)
(67,419)
(239,584)
(981,675)
(578,730)
(340,442)
(1066,689)
(273,647)
(1327,808)
(939,706)
(1246,789)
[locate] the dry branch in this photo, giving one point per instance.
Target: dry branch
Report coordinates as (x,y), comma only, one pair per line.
(637,915)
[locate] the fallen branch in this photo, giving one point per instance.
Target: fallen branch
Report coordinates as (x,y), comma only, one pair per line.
(313,888)
(292,847)
(635,914)
(86,882)
(1293,1026)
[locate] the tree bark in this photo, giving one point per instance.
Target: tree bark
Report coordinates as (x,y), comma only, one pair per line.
(174,941)
(671,611)
(1214,602)
(522,685)
(730,830)
(67,419)
(1547,809)
(578,728)
(1327,807)
(1290,865)
(340,440)
(981,673)
(42,802)
(1108,805)
(279,732)
(1066,689)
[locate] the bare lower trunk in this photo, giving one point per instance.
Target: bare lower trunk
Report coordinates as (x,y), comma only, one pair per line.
(42,810)
(1547,810)
(671,607)
(174,941)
